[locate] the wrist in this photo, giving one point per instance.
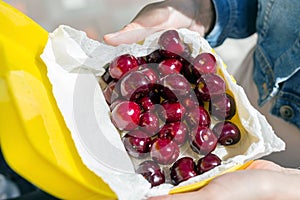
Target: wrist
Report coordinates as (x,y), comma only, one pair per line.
(206,14)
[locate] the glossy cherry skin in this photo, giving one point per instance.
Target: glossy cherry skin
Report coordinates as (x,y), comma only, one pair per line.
(208,162)
(198,117)
(126,115)
(205,63)
(137,143)
(222,107)
(191,102)
(210,85)
(149,122)
(171,41)
(111,92)
(182,170)
(134,85)
(176,131)
(155,56)
(151,172)
(173,111)
(150,73)
(176,84)
(169,66)
(203,140)
(121,65)
(164,151)
(227,132)
(190,73)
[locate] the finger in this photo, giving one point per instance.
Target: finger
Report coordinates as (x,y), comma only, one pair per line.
(264,164)
(132,33)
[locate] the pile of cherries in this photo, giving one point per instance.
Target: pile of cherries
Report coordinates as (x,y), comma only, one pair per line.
(167,99)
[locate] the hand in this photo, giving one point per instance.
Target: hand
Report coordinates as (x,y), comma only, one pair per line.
(196,15)
(261,180)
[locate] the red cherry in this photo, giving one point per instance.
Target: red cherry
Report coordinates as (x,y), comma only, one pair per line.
(137,143)
(169,66)
(205,63)
(151,172)
(150,73)
(222,107)
(182,170)
(126,115)
(149,122)
(203,141)
(177,85)
(208,162)
(198,117)
(227,132)
(121,65)
(164,151)
(111,92)
(177,131)
(210,85)
(170,41)
(134,85)
(173,111)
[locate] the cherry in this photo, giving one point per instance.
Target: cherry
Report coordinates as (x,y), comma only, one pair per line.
(198,117)
(151,172)
(205,63)
(182,170)
(150,73)
(210,85)
(190,73)
(137,143)
(126,115)
(106,77)
(227,132)
(176,131)
(222,107)
(164,151)
(149,122)
(203,140)
(190,102)
(170,41)
(169,66)
(173,111)
(110,92)
(154,57)
(134,85)
(175,85)
(168,54)
(208,162)
(121,65)
(141,61)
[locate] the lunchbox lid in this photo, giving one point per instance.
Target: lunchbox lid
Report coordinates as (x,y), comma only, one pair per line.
(33,136)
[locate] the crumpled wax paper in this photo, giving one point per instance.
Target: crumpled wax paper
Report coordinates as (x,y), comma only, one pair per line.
(75,63)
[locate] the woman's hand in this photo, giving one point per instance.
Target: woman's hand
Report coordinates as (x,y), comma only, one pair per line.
(261,180)
(196,15)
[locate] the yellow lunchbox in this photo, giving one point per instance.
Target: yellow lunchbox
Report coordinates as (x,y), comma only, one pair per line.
(33,136)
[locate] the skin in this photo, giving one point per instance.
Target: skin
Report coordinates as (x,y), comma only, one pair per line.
(262,180)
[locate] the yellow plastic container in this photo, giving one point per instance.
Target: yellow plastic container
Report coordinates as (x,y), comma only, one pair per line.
(33,136)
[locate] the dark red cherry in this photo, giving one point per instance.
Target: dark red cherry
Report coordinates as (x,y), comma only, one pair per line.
(126,115)
(151,172)
(141,61)
(164,151)
(205,63)
(177,84)
(190,102)
(121,65)
(198,117)
(137,143)
(190,73)
(222,107)
(111,92)
(134,85)
(182,170)
(171,41)
(150,73)
(210,85)
(208,162)
(173,111)
(149,122)
(203,140)
(169,66)
(227,132)
(176,131)
(154,57)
